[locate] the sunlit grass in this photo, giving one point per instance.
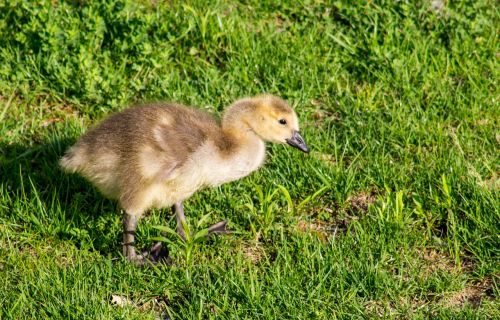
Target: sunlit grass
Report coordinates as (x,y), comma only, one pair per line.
(394,214)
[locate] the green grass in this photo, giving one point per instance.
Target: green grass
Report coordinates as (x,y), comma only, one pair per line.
(394,214)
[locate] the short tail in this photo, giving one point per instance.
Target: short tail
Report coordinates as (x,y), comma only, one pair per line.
(72,160)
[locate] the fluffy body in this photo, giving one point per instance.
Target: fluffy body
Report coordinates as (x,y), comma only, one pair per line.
(156,155)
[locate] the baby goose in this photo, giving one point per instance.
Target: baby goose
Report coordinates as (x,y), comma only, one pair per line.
(158,155)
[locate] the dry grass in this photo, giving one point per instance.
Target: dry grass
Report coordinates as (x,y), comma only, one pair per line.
(253,251)
(359,202)
(472,293)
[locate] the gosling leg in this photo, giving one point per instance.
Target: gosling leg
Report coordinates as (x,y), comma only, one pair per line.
(218,228)
(129,227)
(156,254)
(181,219)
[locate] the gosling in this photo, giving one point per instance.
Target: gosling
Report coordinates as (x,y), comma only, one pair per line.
(157,155)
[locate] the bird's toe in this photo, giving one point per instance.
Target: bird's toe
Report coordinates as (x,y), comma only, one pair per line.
(219,228)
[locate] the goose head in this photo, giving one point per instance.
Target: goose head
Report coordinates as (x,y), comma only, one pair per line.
(270,118)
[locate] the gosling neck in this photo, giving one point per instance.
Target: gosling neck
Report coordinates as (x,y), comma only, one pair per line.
(236,121)
(241,132)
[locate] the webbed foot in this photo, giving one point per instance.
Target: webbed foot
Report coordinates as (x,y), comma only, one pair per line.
(219,228)
(158,254)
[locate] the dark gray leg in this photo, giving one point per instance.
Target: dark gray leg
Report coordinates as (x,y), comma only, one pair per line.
(181,218)
(218,228)
(156,254)
(129,227)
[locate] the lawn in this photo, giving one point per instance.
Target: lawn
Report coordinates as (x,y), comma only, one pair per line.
(394,214)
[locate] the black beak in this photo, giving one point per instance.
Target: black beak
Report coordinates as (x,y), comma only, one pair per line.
(298,142)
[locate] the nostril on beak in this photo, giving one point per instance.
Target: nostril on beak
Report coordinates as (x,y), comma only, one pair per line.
(298,142)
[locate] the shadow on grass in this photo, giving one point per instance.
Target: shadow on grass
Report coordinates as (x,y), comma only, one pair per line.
(41,199)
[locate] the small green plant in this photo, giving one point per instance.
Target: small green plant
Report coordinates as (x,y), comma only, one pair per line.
(392,211)
(193,237)
(263,212)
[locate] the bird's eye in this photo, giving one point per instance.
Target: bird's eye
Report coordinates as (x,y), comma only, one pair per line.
(282,121)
